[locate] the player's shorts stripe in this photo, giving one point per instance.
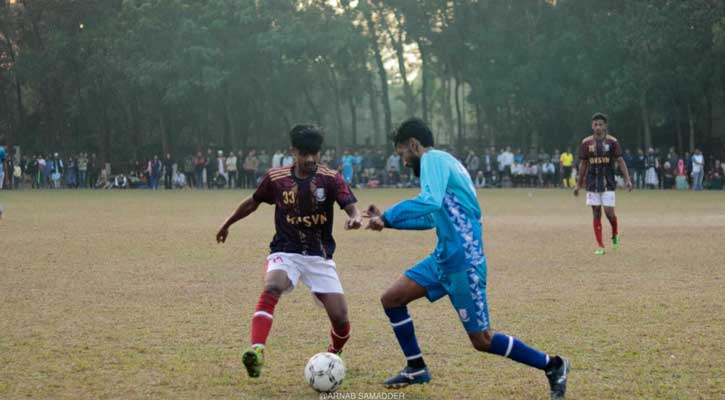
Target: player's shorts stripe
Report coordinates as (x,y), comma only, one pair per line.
(263,314)
(419,355)
(403,322)
(510,346)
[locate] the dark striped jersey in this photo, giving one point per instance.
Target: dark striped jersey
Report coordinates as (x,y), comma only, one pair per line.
(601,156)
(304,209)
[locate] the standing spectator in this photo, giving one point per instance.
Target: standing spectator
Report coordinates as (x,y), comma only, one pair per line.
(17,176)
(681,176)
(232,170)
(71,173)
(348,167)
(279,155)
(669,175)
(480,180)
(566,161)
(209,168)
(392,167)
(154,170)
(507,161)
(639,164)
(189,171)
(487,166)
(698,170)
(368,164)
(472,163)
(199,165)
(240,168)
(629,160)
(56,170)
(83,170)
(265,163)
(2,166)
(221,178)
(251,163)
(548,172)
(651,165)
(288,160)
(672,157)
(555,160)
(689,166)
(168,172)
(93,170)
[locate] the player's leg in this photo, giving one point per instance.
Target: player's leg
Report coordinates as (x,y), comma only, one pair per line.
(336,308)
(279,278)
(612,217)
(418,281)
(597,222)
(467,291)
(320,275)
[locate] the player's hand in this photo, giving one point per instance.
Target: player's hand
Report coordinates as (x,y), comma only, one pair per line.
(221,235)
(372,211)
(576,191)
(629,185)
(376,224)
(353,223)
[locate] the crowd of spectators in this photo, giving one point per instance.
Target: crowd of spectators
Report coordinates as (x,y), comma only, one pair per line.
(363,167)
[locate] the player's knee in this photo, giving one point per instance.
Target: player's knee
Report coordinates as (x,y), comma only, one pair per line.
(274,289)
(390,299)
(482,342)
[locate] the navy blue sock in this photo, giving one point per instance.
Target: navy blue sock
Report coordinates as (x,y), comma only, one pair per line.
(405,333)
(513,348)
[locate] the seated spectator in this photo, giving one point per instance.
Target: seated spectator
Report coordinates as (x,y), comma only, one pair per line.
(120,182)
(480,181)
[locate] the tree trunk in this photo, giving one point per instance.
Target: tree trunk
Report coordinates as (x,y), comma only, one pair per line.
(374,112)
(447,108)
(424,81)
(691,122)
(315,111)
(400,56)
(338,110)
(645,121)
(459,116)
(383,75)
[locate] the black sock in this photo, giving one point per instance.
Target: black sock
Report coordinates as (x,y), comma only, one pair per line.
(554,362)
(416,363)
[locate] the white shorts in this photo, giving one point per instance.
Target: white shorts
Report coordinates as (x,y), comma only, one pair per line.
(606,199)
(317,273)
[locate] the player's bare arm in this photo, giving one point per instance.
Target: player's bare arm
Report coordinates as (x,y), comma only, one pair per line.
(625,172)
(582,174)
(246,207)
(374,214)
(354,220)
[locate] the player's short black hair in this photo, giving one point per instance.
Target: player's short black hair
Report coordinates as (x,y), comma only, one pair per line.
(306,138)
(599,116)
(413,128)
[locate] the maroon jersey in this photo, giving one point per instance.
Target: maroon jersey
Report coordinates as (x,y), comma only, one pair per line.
(304,210)
(601,156)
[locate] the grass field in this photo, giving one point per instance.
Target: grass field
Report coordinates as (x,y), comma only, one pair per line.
(125,294)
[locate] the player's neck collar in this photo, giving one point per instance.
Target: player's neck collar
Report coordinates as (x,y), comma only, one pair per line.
(297,178)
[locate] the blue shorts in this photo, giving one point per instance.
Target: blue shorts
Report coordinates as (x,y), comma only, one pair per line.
(466,289)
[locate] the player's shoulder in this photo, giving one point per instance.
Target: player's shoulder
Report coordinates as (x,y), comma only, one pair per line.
(588,139)
(611,138)
(326,172)
(278,173)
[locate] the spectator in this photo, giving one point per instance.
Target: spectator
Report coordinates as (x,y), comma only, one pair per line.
(189,171)
(154,171)
(56,170)
(83,170)
(17,177)
(2,166)
(567,160)
(348,162)
(168,172)
(681,178)
(71,173)
(220,177)
(94,170)
(698,170)
(211,168)
(548,172)
(392,167)
(199,165)
(507,161)
(479,180)
(251,163)
(555,160)
(639,164)
(288,160)
(651,165)
(279,155)
(232,170)
(669,176)
(265,163)
(472,163)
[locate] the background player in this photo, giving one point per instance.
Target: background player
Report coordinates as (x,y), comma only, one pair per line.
(456,268)
(304,196)
(597,155)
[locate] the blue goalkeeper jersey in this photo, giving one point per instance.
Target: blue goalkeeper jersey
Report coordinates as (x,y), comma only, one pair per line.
(447,202)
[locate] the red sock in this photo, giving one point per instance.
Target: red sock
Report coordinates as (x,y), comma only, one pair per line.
(613,222)
(262,319)
(339,338)
(598,231)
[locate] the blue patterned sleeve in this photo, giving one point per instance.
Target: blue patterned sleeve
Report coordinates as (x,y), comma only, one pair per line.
(434,175)
(416,224)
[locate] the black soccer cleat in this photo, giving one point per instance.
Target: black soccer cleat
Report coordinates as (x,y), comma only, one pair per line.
(408,376)
(557,378)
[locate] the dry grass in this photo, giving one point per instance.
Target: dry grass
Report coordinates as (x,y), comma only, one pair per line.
(126,295)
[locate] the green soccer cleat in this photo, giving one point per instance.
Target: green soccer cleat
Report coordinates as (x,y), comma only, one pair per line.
(599,252)
(253,360)
(615,242)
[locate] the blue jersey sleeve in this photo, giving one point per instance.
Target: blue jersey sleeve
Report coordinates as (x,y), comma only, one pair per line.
(434,175)
(416,224)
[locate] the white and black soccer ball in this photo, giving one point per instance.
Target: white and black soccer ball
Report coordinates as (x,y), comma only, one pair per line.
(325,372)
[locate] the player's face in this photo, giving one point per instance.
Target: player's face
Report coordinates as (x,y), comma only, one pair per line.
(599,127)
(308,162)
(409,157)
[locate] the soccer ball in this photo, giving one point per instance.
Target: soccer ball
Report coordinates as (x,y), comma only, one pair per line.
(325,372)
